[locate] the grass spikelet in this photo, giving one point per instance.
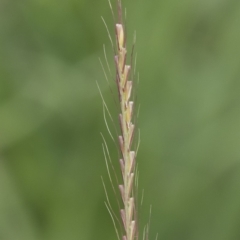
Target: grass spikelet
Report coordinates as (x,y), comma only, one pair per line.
(124,83)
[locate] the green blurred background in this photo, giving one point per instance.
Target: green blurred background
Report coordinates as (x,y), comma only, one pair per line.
(51,117)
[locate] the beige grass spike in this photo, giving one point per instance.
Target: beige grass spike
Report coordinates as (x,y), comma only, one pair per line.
(125,83)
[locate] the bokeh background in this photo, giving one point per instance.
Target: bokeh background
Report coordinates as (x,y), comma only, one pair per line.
(51,117)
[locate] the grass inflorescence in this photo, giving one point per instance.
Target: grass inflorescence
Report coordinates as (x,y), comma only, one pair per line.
(124,82)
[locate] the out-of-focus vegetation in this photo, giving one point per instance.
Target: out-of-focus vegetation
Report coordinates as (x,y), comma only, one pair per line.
(51,116)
